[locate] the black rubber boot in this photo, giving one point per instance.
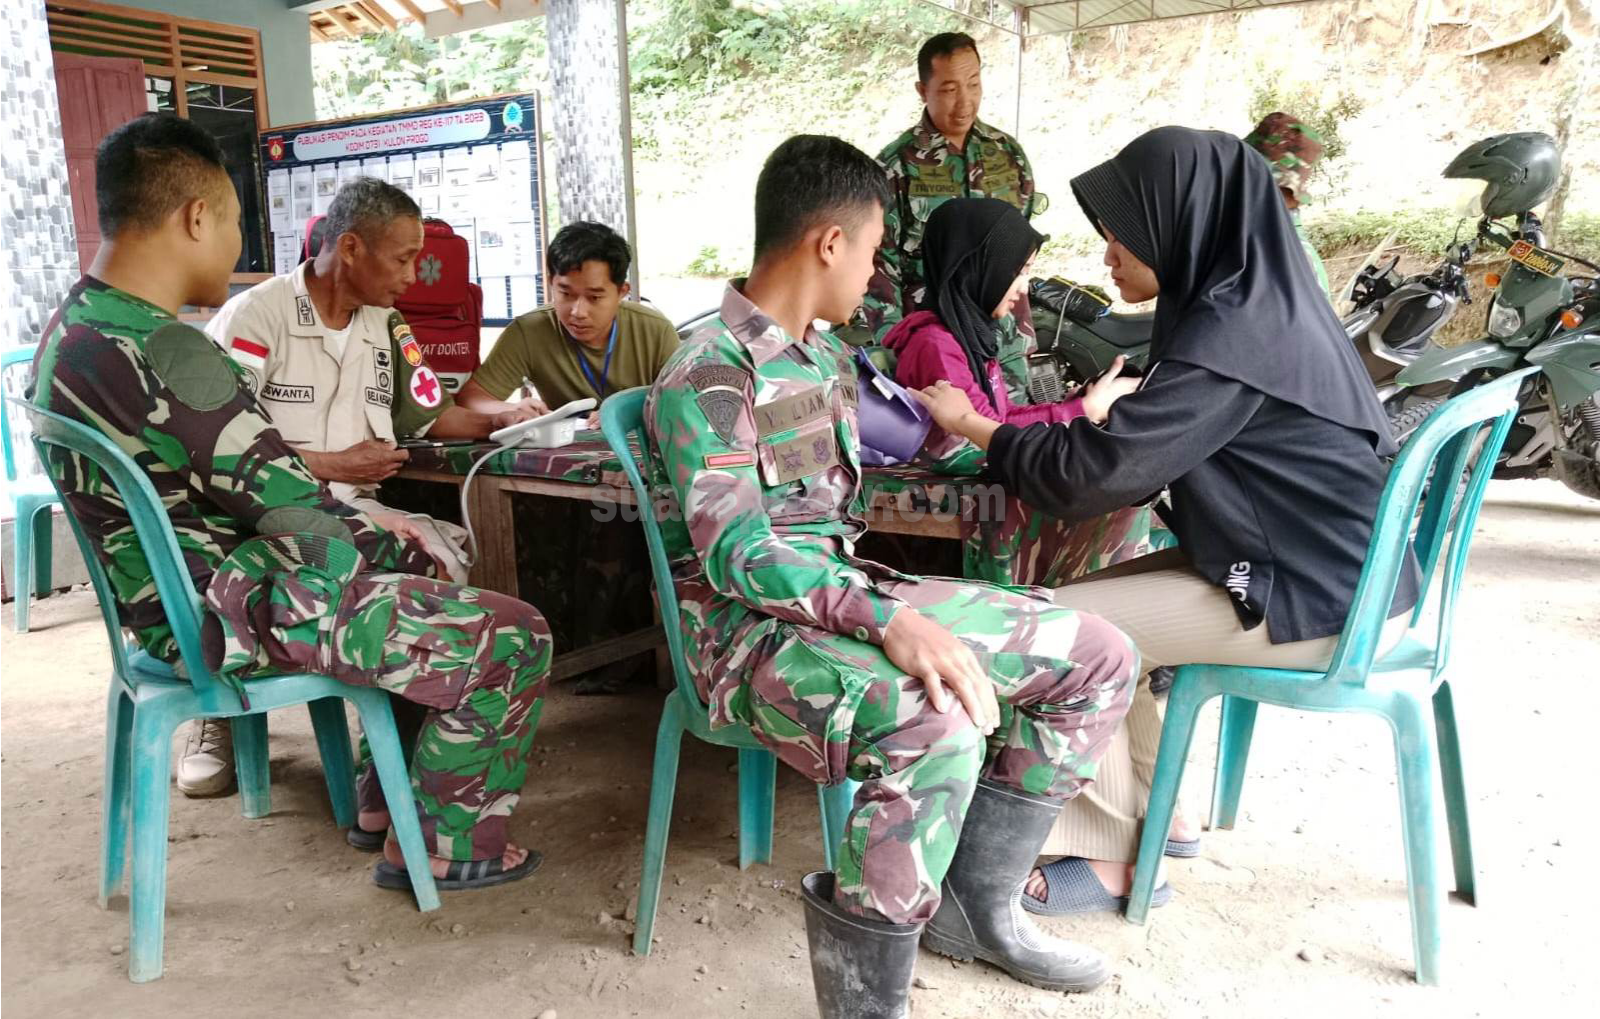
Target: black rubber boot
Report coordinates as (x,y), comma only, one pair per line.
(861,969)
(980,915)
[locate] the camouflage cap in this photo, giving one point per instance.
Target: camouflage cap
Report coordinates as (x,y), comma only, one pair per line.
(1291,146)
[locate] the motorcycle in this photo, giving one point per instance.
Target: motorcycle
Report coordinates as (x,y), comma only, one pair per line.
(1540,314)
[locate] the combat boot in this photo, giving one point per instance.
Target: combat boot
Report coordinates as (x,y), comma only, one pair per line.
(980,914)
(206,766)
(861,968)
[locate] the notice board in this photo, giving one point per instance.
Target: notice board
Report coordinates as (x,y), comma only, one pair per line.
(476,165)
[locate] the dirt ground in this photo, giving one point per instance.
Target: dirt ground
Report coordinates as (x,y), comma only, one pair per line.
(1299,911)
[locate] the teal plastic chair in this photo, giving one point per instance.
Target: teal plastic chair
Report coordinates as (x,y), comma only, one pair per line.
(32,495)
(148,701)
(1409,687)
(622,422)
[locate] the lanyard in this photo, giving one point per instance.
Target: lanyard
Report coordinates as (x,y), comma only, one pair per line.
(583,362)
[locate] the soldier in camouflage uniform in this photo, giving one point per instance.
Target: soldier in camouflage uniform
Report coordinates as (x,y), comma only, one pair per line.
(1293,148)
(844,667)
(950,153)
(293,578)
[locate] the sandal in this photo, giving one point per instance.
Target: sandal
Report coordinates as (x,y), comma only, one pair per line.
(366,841)
(461,876)
(1183,850)
(1075,888)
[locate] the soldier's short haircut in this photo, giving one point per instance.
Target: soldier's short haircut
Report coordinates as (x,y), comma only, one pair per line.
(811,179)
(584,241)
(152,166)
(365,207)
(943,45)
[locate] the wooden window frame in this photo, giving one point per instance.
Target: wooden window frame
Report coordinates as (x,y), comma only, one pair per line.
(75,29)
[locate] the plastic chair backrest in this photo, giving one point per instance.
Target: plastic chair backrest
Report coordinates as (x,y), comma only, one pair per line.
(622,420)
(156,538)
(14,356)
(1465,434)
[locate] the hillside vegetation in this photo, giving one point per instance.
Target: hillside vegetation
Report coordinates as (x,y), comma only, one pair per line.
(1400,85)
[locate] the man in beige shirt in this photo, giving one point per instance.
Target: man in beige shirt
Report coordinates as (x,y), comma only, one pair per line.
(339,373)
(588,342)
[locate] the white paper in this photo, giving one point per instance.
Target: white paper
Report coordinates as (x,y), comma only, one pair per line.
(376,166)
(280,212)
(459,170)
(349,170)
(402,173)
(524,255)
(494,249)
(303,188)
(524,294)
(429,168)
(516,174)
(326,180)
(285,253)
(495,305)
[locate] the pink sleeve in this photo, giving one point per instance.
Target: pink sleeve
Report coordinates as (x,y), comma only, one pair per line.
(1048,413)
(930,356)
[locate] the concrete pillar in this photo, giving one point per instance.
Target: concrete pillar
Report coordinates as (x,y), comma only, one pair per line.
(38,251)
(590,111)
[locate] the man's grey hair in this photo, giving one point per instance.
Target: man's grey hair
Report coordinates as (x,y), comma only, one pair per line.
(366,206)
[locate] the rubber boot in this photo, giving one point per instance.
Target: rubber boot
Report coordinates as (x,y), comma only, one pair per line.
(861,968)
(980,915)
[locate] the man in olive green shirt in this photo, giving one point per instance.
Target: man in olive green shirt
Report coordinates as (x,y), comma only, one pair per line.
(588,342)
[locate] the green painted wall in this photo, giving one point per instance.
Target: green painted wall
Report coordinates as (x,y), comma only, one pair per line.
(285,47)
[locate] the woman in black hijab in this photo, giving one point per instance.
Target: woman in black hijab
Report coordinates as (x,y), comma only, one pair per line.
(1257,417)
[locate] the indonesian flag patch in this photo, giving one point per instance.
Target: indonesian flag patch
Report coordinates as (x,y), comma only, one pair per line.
(425,388)
(412,352)
(248,352)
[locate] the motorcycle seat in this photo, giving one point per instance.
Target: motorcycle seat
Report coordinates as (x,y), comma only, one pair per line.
(1124,331)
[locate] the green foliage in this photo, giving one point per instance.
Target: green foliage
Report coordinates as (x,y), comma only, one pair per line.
(396,70)
(678,44)
(1425,231)
(1579,234)
(710,262)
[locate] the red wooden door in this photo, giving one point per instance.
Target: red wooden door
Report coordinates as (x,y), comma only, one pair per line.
(97,96)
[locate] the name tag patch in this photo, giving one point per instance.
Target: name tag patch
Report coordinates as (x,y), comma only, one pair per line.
(743,459)
(379,397)
(302,311)
(792,412)
(804,456)
(282,392)
(933,182)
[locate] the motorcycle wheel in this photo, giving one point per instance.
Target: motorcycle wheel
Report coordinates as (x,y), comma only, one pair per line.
(1409,417)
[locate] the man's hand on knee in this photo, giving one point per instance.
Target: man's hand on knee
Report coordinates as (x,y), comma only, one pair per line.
(920,647)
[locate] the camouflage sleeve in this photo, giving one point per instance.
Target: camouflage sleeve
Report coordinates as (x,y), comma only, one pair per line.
(714,474)
(184,401)
(883,306)
(419,393)
(1033,203)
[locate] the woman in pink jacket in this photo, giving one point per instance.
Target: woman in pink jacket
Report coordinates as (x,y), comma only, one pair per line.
(977,252)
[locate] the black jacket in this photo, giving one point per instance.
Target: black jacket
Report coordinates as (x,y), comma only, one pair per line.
(1270,502)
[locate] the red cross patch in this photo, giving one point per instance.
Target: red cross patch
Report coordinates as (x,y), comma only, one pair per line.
(425,388)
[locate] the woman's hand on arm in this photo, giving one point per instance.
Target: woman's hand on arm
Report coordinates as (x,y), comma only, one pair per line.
(952,411)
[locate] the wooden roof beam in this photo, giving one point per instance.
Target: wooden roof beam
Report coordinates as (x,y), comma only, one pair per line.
(413,10)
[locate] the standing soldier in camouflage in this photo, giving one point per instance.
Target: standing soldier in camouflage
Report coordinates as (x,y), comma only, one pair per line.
(1292,147)
(294,579)
(950,153)
(950,701)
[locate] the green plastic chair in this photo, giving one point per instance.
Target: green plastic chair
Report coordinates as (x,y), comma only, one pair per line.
(148,701)
(622,422)
(32,495)
(1409,687)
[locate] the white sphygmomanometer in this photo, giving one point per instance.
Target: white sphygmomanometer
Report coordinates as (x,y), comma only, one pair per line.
(548,431)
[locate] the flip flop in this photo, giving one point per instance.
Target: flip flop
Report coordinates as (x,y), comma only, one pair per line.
(369,841)
(1075,888)
(1183,850)
(462,875)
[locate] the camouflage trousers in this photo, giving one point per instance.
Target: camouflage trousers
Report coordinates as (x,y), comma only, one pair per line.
(475,665)
(834,707)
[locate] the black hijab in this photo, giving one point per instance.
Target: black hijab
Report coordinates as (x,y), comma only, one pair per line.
(1238,297)
(973,249)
